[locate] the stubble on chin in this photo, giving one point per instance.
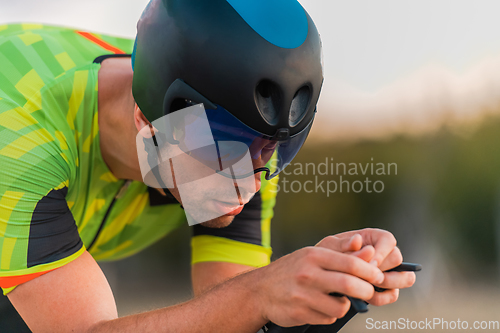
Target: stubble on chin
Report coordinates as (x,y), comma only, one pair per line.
(219,222)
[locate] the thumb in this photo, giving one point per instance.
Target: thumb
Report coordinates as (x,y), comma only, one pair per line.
(342,244)
(366,253)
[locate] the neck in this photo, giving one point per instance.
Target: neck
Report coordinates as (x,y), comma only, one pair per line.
(116,118)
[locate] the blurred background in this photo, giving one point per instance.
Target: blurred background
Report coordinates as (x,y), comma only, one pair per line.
(411,83)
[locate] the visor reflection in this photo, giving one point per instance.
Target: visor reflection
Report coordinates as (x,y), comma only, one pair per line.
(210,155)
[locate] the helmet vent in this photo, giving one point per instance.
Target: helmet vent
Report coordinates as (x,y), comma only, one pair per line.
(300,104)
(268,99)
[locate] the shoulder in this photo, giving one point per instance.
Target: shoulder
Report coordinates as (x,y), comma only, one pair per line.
(48,51)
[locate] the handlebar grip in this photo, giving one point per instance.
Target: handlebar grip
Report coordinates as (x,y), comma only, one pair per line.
(335,327)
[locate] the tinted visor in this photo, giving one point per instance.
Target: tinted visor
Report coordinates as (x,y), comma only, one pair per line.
(233,140)
(214,137)
(211,158)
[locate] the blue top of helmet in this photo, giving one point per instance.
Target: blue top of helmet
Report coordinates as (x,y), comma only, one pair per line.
(280,22)
(133,53)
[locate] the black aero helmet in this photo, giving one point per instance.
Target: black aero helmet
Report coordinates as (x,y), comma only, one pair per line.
(259,61)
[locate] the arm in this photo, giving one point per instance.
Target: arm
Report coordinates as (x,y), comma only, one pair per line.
(206,275)
(77,298)
(291,291)
(361,243)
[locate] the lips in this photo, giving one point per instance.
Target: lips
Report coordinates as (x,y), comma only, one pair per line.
(226,208)
(235,212)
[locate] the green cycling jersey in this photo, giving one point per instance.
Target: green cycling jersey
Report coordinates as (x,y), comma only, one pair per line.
(57,196)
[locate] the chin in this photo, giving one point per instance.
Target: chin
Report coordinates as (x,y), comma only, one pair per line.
(219,222)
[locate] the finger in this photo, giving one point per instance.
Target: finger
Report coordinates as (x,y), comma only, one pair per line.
(386,297)
(342,244)
(313,317)
(398,280)
(330,306)
(318,318)
(355,243)
(366,253)
(392,260)
(383,242)
(345,284)
(346,263)
(316,308)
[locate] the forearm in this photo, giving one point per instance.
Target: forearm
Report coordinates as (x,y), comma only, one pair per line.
(206,275)
(232,306)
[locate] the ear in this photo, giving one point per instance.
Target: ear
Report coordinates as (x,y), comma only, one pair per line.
(141,122)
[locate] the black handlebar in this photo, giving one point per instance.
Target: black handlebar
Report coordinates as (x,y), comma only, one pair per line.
(335,327)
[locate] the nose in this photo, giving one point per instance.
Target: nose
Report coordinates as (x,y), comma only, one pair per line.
(262,149)
(257,181)
(246,188)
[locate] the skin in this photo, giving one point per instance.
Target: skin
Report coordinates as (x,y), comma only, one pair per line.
(206,195)
(291,291)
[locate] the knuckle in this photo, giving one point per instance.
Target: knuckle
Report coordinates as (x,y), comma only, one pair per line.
(377,301)
(311,253)
(304,276)
(330,240)
(348,285)
(371,293)
(386,234)
(375,230)
(391,239)
(329,320)
(297,299)
(305,251)
(368,291)
(385,298)
(379,258)
(398,257)
(342,310)
(345,308)
(325,242)
(352,265)
(373,274)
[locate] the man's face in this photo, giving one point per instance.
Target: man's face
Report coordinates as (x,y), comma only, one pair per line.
(224,220)
(211,175)
(209,198)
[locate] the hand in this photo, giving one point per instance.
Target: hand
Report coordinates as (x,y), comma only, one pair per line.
(379,248)
(294,289)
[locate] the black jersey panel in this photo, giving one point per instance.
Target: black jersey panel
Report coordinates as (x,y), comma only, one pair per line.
(53,231)
(246,226)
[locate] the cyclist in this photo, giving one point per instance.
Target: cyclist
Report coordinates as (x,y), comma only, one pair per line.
(72,192)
